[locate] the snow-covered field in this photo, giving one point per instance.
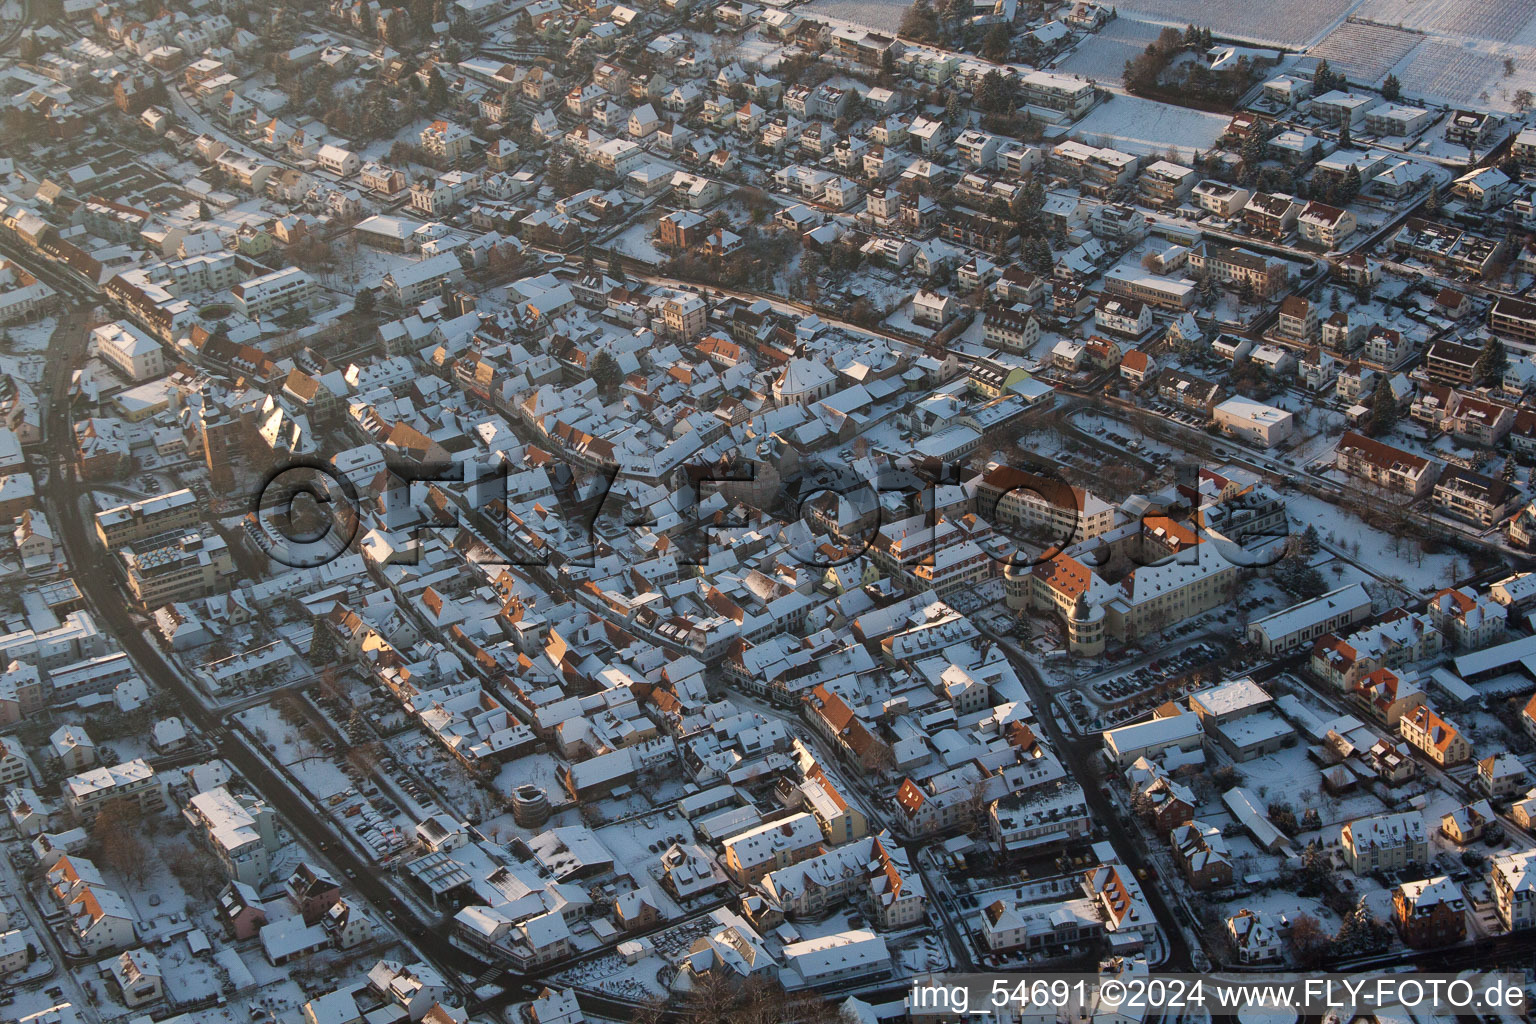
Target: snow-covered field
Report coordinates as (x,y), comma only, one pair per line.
(1365,53)
(884,15)
(1147,127)
(1275,23)
(1102,56)
(1493,20)
(1448,72)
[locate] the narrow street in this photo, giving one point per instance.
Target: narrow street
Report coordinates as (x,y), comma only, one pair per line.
(1076,754)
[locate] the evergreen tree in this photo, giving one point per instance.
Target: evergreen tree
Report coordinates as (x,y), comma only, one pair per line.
(1351,186)
(605,370)
(954,110)
(616,265)
(365,302)
(1432,201)
(203,213)
(995,45)
(1322,78)
(920,22)
(1392,89)
(437,89)
(1383,408)
(1492,363)
(1345,138)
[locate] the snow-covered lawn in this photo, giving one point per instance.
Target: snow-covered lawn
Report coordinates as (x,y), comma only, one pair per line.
(1146,127)
(1394,557)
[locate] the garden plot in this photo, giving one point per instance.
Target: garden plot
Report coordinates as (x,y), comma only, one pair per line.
(1292,23)
(1365,53)
(1102,56)
(1149,128)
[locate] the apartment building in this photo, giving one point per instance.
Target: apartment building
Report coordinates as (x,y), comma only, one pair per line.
(1185,391)
(1004,495)
(1381,464)
(1070,97)
(1227,265)
(1218,197)
(178,569)
(1324,225)
(1015,330)
(1435,737)
(1514,318)
(239,830)
(1512,878)
(685,316)
(1384,842)
(281,289)
(87,793)
(1430,913)
(1165,185)
(771,846)
(125,524)
(1446,362)
(129,350)
(445,141)
(1473,497)
(1272,215)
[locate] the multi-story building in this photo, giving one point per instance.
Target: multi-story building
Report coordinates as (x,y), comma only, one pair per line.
(241,831)
(1430,913)
(1201,854)
(1220,198)
(1449,363)
(1187,392)
(1385,466)
(1164,184)
(1435,737)
(1227,265)
(174,511)
(1472,128)
(445,141)
(177,569)
(1514,318)
(1512,878)
(131,351)
(1473,497)
(1015,330)
(1005,495)
(771,846)
(1324,225)
(1384,842)
(685,316)
(281,289)
(1272,215)
(87,793)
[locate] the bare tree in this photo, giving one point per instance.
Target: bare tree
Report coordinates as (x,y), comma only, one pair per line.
(118,831)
